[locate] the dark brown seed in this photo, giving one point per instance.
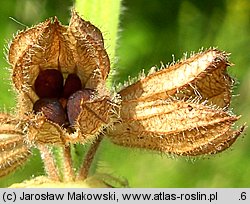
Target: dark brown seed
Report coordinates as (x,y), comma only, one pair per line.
(49,84)
(74,105)
(72,85)
(52,109)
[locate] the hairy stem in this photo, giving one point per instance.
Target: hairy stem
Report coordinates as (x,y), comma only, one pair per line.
(88,159)
(68,171)
(49,162)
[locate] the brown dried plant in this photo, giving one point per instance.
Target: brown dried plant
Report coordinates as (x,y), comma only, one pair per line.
(59,73)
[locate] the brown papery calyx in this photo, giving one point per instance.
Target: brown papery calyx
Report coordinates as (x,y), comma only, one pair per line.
(180,109)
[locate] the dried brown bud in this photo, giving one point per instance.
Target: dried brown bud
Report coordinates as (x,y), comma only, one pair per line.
(14,151)
(202,75)
(75,103)
(49,83)
(174,127)
(11,160)
(72,84)
(177,110)
(52,109)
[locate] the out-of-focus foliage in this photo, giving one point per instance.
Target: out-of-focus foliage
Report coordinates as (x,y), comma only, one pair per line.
(151,31)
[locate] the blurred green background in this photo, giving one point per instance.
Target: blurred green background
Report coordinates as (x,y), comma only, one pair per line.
(151,32)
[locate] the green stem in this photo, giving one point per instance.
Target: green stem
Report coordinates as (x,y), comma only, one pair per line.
(88,159)
(49,162)
(68,174)
(105,15)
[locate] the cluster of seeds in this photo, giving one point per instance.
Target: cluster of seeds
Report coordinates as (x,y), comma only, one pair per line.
(60,101)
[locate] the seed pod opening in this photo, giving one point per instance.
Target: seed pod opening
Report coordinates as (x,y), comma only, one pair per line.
(50,62)
(77,48)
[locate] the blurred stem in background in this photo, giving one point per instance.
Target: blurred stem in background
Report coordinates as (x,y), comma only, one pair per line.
(104,15)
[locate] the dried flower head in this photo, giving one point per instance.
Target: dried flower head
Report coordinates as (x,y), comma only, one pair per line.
(181,109)
(50,63)
(59,73)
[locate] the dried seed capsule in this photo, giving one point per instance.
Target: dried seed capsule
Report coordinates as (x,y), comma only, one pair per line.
(49,83)
(74,105)
(52,109)
(72,85)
